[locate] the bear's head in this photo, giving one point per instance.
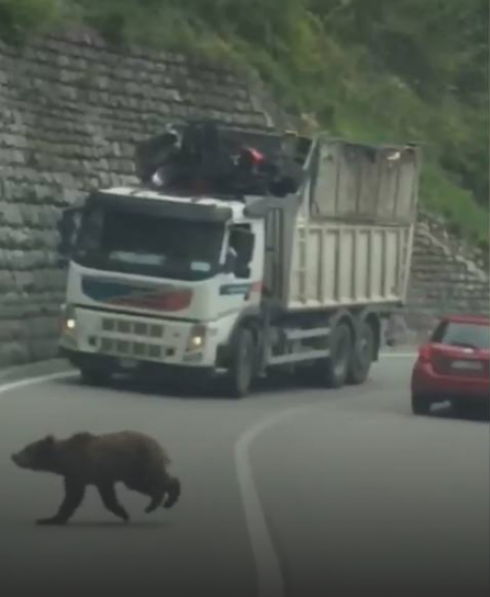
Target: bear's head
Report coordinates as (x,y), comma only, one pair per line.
(37,456)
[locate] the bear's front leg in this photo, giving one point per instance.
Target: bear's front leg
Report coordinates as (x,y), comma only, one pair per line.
(74,494)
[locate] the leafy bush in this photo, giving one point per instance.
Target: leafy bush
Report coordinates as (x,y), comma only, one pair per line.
(374,70)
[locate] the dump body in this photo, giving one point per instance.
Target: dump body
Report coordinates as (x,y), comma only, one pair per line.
(346,238)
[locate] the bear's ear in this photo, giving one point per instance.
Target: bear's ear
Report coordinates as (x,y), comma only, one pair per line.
(49,440)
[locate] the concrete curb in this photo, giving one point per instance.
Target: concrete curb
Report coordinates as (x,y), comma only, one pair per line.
(40,368)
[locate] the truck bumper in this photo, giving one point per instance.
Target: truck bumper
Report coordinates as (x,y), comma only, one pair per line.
(141,368)
(136,341)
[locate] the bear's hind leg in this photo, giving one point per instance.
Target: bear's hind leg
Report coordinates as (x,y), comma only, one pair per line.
(156,498)
(74,494)
(174,489)
(146,485)
(157,491)
(108,495)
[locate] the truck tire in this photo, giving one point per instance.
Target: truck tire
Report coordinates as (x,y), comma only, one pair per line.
(362,355)
(241,371)
(94,377)
(337,365)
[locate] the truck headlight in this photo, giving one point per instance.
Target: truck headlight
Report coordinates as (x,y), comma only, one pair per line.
(68,319)
(197,338)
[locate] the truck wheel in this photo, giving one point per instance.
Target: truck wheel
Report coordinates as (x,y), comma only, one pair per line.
(94,377)
(242,368)
(362,356)
(337,366)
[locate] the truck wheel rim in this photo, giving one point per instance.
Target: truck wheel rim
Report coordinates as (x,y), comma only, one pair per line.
(341,355)
(365,347)
(246,365)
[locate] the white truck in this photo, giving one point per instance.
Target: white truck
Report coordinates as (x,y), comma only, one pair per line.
(205,285)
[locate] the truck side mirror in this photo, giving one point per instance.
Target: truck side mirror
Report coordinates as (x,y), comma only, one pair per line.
(244,243)
(230,263)
(67,228)
(242,271)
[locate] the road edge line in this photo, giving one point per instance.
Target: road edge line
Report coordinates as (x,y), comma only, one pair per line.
(270,578)
(32,381)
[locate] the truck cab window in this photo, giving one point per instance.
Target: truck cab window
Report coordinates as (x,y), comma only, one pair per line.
(240,249)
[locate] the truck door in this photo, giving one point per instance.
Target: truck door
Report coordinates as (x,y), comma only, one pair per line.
(242,269)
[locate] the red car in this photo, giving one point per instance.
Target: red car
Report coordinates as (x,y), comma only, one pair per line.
(453,366)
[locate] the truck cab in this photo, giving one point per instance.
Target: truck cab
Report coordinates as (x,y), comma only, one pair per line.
(158,278)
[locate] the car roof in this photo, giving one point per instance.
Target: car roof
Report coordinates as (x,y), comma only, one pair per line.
(476,319)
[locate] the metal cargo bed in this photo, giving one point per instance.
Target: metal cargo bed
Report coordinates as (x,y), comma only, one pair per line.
(345,238)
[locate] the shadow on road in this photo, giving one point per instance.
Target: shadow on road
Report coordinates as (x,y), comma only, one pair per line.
(190,389)
(150,387)
(117,525)
(475,413)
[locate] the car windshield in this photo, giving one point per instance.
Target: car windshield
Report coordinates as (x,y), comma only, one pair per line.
(470,335)
(149,245)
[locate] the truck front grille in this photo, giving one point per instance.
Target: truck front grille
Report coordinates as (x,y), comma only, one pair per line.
(132,339)
(128,348)
(132,328)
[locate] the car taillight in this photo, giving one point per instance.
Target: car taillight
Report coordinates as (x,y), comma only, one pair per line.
(425,354)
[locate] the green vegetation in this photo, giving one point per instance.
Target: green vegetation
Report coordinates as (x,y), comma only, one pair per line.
(374,70)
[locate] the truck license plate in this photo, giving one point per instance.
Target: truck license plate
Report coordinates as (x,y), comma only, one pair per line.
(128,363)
(466,365)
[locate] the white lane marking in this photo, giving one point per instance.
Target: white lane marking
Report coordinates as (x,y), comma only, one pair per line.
(269,575)
(24,383)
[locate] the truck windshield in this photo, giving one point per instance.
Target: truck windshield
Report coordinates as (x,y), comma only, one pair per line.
(148,245)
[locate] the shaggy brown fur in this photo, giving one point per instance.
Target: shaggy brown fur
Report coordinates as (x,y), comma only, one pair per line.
(129,457)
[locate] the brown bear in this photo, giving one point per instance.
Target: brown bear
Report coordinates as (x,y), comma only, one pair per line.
(129,457)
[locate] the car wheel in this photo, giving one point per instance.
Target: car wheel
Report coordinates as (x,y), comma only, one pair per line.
(461,408)
(420,404)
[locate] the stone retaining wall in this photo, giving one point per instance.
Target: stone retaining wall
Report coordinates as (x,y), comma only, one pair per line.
(72,109)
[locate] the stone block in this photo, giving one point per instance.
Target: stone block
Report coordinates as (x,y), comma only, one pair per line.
(13,353)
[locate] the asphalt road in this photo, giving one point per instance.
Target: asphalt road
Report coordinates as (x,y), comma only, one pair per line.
(290,492)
